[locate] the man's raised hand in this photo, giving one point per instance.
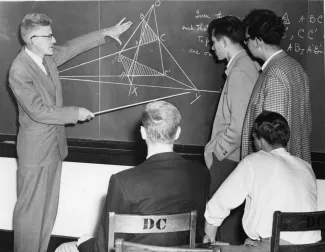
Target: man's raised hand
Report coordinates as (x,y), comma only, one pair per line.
(116,30)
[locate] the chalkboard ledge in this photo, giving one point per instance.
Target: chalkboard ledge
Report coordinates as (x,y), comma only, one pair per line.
(128,153)
(104,151)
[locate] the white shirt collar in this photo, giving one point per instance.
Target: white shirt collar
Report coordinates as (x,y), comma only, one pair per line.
(281,149)
(233,57)
(38,60)
(268,60)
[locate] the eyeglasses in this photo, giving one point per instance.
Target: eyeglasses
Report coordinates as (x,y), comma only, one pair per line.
(50,36)
(247,39)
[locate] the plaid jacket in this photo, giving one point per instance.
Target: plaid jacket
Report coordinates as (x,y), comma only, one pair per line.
(282,87)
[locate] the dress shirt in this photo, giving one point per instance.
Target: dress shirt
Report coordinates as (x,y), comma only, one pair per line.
(269,181)
(38,60)
(268,60)
(229,63)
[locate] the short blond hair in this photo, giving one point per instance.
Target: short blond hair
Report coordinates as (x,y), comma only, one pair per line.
(161,120)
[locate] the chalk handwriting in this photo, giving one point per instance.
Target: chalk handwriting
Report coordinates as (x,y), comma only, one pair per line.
(161,37)
(311,49)
(188,28)
(293,38)
(193,51)
(311,19)
(198,15)
(218,15)
(197,96)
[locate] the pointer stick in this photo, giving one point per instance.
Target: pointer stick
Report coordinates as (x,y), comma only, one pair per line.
(135,104)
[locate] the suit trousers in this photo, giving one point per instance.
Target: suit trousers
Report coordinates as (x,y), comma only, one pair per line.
(36,207)
(231,229)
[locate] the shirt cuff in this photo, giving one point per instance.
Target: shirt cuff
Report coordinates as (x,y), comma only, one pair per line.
(212,219)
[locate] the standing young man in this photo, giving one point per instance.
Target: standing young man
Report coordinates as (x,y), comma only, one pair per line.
(222,153)
(282,87)
(41,141)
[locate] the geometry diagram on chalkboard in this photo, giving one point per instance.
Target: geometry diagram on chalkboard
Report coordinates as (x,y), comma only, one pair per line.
(144,62)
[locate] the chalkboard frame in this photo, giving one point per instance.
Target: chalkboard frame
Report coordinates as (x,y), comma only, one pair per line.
(133,153)
(104,151)
(103,128)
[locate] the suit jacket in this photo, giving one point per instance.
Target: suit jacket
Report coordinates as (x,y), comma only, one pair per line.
(41,137)
(282,87)
(225,141)
(164,184)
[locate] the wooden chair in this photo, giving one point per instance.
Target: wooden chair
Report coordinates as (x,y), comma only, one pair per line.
(123,246)
(306,221)
(140,224)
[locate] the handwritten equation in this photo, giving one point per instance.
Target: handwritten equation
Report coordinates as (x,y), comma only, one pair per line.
(308,38)
(305,37)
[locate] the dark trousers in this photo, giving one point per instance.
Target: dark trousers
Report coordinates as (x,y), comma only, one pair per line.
(36,207)
(231,230)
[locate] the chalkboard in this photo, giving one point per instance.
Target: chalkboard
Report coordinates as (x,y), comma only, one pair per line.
(165,53)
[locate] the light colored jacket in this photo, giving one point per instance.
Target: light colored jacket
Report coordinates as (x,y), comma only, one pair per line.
(41,137)
(225,142)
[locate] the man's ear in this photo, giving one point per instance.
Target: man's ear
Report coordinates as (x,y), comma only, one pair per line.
(224,41)
(264,144)
(178,132)
(143,133)
(259,42)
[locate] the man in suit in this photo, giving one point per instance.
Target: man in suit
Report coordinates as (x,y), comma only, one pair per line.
(282,87)
(165,183)
(41,140)
(269,180)
(222,153)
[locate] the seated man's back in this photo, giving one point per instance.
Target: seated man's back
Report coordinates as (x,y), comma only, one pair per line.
(164,183)
(269,180)
(281,182)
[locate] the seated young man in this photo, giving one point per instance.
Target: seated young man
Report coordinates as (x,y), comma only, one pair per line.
(165,183)
(270,180)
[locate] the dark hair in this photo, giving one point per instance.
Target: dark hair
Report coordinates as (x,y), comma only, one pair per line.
(273,127)
(31,21)
(228,26)
(265,25)
(161,120)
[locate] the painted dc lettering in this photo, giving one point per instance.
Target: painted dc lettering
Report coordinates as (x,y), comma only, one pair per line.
(150,223)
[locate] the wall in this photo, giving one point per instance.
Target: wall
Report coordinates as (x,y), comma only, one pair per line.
(83,188)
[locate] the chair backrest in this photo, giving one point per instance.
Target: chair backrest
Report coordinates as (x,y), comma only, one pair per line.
(123,246)
(140,224)
(302,221)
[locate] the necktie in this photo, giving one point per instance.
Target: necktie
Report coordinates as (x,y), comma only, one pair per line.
(46,67)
